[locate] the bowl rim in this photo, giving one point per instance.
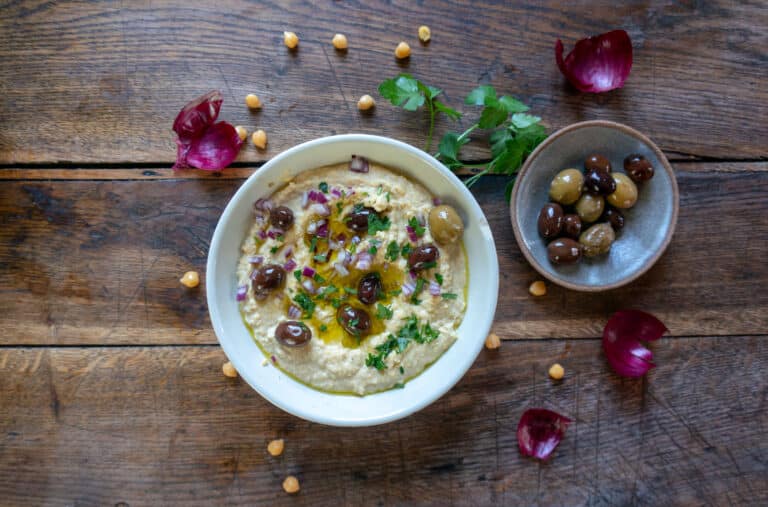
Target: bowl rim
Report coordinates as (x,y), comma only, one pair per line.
(529,162)
(460,368)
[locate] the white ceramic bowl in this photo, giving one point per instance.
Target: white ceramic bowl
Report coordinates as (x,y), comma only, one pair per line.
(349,410)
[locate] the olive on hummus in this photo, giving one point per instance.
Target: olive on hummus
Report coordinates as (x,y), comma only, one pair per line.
(353,278)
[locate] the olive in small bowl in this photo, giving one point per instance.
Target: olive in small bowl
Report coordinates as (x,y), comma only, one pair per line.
(589,207)
(638,168)
(566,186)
(597,240)
(572,226)
(564,251)
(625,195)
(550,221)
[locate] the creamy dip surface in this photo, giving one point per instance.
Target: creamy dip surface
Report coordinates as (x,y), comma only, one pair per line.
(416,313)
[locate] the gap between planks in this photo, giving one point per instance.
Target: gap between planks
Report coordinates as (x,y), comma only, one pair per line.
(240,173)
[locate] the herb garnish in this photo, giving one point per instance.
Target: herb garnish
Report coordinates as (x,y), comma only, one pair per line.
(306,304)
(419,287)
(297,275)
(393,251)
(323,186)
(448,295)
(411,331)
(323,328)
(318,278)
(418,229)
(383,312)
(439,278)
(409,93)
(274,249)
(406,250)
(377,223)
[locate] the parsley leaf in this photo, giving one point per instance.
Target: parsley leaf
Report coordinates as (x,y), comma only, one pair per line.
(406,250)
(419,287)
(323,186)
(323,328)
(377,223)
(412,331)
(448,295)
(393,251)
(383,312)
(306,304)
(297,275)
(439,278)
(418,229)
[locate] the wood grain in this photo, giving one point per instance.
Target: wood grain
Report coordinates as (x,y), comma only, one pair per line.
(98,262)
(162,425)
(102,81)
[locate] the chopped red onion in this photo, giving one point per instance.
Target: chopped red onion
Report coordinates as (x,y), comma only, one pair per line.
(621,341)
(308,285)
(336,192)
(540,431)
(304,199)
(434,288)
(262,234)
(259,217)
(322,230)
(320,209)
(364,260)
(358,164)
(288,252)
(274,359)
(355,240)
(597,64)
(436,201)
(316,196)
(340,269)
(307,271)
(294,312)
(274,233)
(256,259)
(290,265)
(408,288)
(413,274)
(241,292)
(341,237)
(312,228)
(263,204)
(344,257)
(411,234)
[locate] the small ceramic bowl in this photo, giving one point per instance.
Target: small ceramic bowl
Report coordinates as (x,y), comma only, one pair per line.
(649,225)
(338,409)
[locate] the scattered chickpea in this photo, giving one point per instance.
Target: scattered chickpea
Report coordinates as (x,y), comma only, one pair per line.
(424,33)
(493,341)
(229,370)
(259,139)
(275,447)
(291,484)
(538,288)
(291,40)
(253,101)
(242,133)
(365,103)
(339,41)
(556,372)
(402,51)
(190,279)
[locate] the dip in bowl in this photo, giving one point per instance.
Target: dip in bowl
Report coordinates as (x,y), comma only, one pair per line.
(366,387)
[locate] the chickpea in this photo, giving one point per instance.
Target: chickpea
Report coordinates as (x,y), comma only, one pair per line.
(259,139)
(190,279)
(556,372)
(493,341)
(538,288)
(402,51)
(339,41)
(291,484)
(242,133)
(424,33)
(229,370)
(365,103)
(291,40)
(275,447)
(253,101)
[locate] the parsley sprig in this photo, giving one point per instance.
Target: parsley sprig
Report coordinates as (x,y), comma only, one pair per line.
(514,135)
(412,331)
(409,93)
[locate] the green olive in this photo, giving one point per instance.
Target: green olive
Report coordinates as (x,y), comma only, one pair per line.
(445,224)
(566,187)
(589,207)
(625,195)
(597,240)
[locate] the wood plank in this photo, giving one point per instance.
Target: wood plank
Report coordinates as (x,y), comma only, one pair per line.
(98,262)
(102,82)
(160,426)
(240,173)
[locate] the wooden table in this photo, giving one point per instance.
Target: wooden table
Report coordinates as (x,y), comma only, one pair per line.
(111,390)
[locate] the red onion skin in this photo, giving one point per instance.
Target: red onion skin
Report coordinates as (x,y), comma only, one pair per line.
(540,431)
(197,115)
(597,64)
(621,341)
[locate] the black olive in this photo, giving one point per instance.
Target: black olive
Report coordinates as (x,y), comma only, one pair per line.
(355,321)
(596,162)
(638,168)
(369,288)
(550,221)
(572,226)
(281,217)
(615,218)
(423,257)
(357,219)
(292,333)
(266,279)
(564,251)
(599,182)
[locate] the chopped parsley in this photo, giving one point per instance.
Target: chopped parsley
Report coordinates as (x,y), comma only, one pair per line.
(383,312)
(274,249)
(313,244)
(350,290)
(405,251)
(419,287)
(306,304)
(353,248)
(373,250)
(318,278)
(393,251)
(387,196)
(339,207)
(297,275)
(326,291)
(402,371)
(411,331)
(395,292)
(439,278)
(377,223)
(280,238)
(399,385)
(429,265)
(336,302)
(418,229)
(323,186)
(323,328)
(449,295)
(320,258)
(378,190)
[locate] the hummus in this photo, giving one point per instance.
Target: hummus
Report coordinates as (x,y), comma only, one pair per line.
(356,344)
